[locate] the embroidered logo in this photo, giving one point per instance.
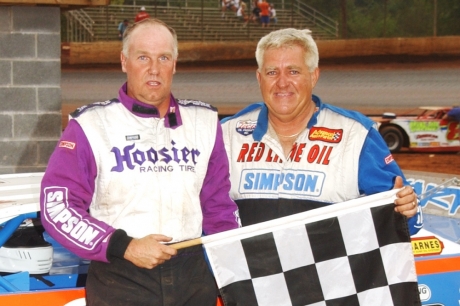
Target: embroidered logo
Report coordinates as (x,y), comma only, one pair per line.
(246,127)
(294,182)
(325,134)
(68,222)
(132,137)
(389,159)
(67,144)
(149,159)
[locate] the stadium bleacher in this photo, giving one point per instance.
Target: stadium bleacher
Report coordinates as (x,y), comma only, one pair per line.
(190,23)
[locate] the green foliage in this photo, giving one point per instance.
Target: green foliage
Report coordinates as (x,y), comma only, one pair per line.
(365,19)
(394,18)
(448,17)
(330,8)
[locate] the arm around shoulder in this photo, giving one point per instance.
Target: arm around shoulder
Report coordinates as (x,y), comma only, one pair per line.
(220,212)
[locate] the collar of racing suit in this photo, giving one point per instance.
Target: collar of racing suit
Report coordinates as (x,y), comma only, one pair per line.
(262,121)
(144,110)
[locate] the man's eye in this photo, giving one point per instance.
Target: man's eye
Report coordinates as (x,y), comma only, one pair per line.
(271,72)
(143,58)
(294,72)
(164,58)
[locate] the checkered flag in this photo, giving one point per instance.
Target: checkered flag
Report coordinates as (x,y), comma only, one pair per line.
(353,253)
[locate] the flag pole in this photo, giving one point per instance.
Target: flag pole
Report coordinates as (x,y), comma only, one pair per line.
(186,244)
(430,192)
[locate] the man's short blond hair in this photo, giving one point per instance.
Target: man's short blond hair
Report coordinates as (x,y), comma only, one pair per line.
(145,22)
(287,38)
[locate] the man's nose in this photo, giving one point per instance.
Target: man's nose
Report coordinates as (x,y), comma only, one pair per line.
(153,67)
(282,80)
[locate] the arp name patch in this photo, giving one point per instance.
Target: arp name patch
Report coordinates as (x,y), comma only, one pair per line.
(67,144)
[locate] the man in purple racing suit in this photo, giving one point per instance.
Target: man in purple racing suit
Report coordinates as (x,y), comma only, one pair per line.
(131,175)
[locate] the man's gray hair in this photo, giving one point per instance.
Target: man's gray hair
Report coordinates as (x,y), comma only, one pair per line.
(144,22)
(288,38)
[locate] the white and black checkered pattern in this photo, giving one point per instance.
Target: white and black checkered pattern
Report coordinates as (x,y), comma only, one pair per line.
(359,258)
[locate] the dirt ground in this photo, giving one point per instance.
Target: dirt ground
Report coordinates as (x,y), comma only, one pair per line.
(448,163)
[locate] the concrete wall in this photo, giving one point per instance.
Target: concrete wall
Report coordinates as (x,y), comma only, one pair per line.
(30,94)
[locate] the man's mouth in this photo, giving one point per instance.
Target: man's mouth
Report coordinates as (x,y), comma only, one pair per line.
(153,83)
(283,94)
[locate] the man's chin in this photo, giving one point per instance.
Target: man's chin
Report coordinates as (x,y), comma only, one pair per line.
(156,100)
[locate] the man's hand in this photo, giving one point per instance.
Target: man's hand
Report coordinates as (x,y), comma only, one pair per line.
(148,252)
(407,202)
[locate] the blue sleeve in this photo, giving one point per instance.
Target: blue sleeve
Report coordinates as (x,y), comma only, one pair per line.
(378,170)
(416,222)
(454,113)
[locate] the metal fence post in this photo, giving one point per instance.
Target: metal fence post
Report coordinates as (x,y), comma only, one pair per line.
(202,20)
(435,17)
(106,22)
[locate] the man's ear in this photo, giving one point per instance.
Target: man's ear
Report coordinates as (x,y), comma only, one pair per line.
(258,76)
(123,61)
(314,77)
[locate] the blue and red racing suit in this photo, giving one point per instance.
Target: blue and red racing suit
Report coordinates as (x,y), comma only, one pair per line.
(339,156)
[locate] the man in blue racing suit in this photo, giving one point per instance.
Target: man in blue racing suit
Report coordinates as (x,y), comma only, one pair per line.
(294,153)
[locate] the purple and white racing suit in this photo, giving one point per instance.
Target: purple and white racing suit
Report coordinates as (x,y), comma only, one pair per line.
(120,172)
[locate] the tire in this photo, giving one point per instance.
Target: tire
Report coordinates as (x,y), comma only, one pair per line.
(393,138)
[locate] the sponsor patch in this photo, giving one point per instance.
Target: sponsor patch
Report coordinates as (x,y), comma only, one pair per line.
(423,246)
(67,145)
(75,228)
(325,134)
(389,159)
(423,126)
(132,137)
(246,127)
(155,159)
(426,136)
(294,182)
(425,292)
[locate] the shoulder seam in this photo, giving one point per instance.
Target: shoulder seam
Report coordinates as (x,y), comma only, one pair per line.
(76,113)
(197,103)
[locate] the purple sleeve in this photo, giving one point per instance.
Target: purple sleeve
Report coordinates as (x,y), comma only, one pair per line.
(66,193)
(220,213)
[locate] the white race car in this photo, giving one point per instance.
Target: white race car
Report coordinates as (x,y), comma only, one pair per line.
(425,129)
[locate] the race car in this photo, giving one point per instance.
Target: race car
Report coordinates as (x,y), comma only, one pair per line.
(27,279)
(425,129)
